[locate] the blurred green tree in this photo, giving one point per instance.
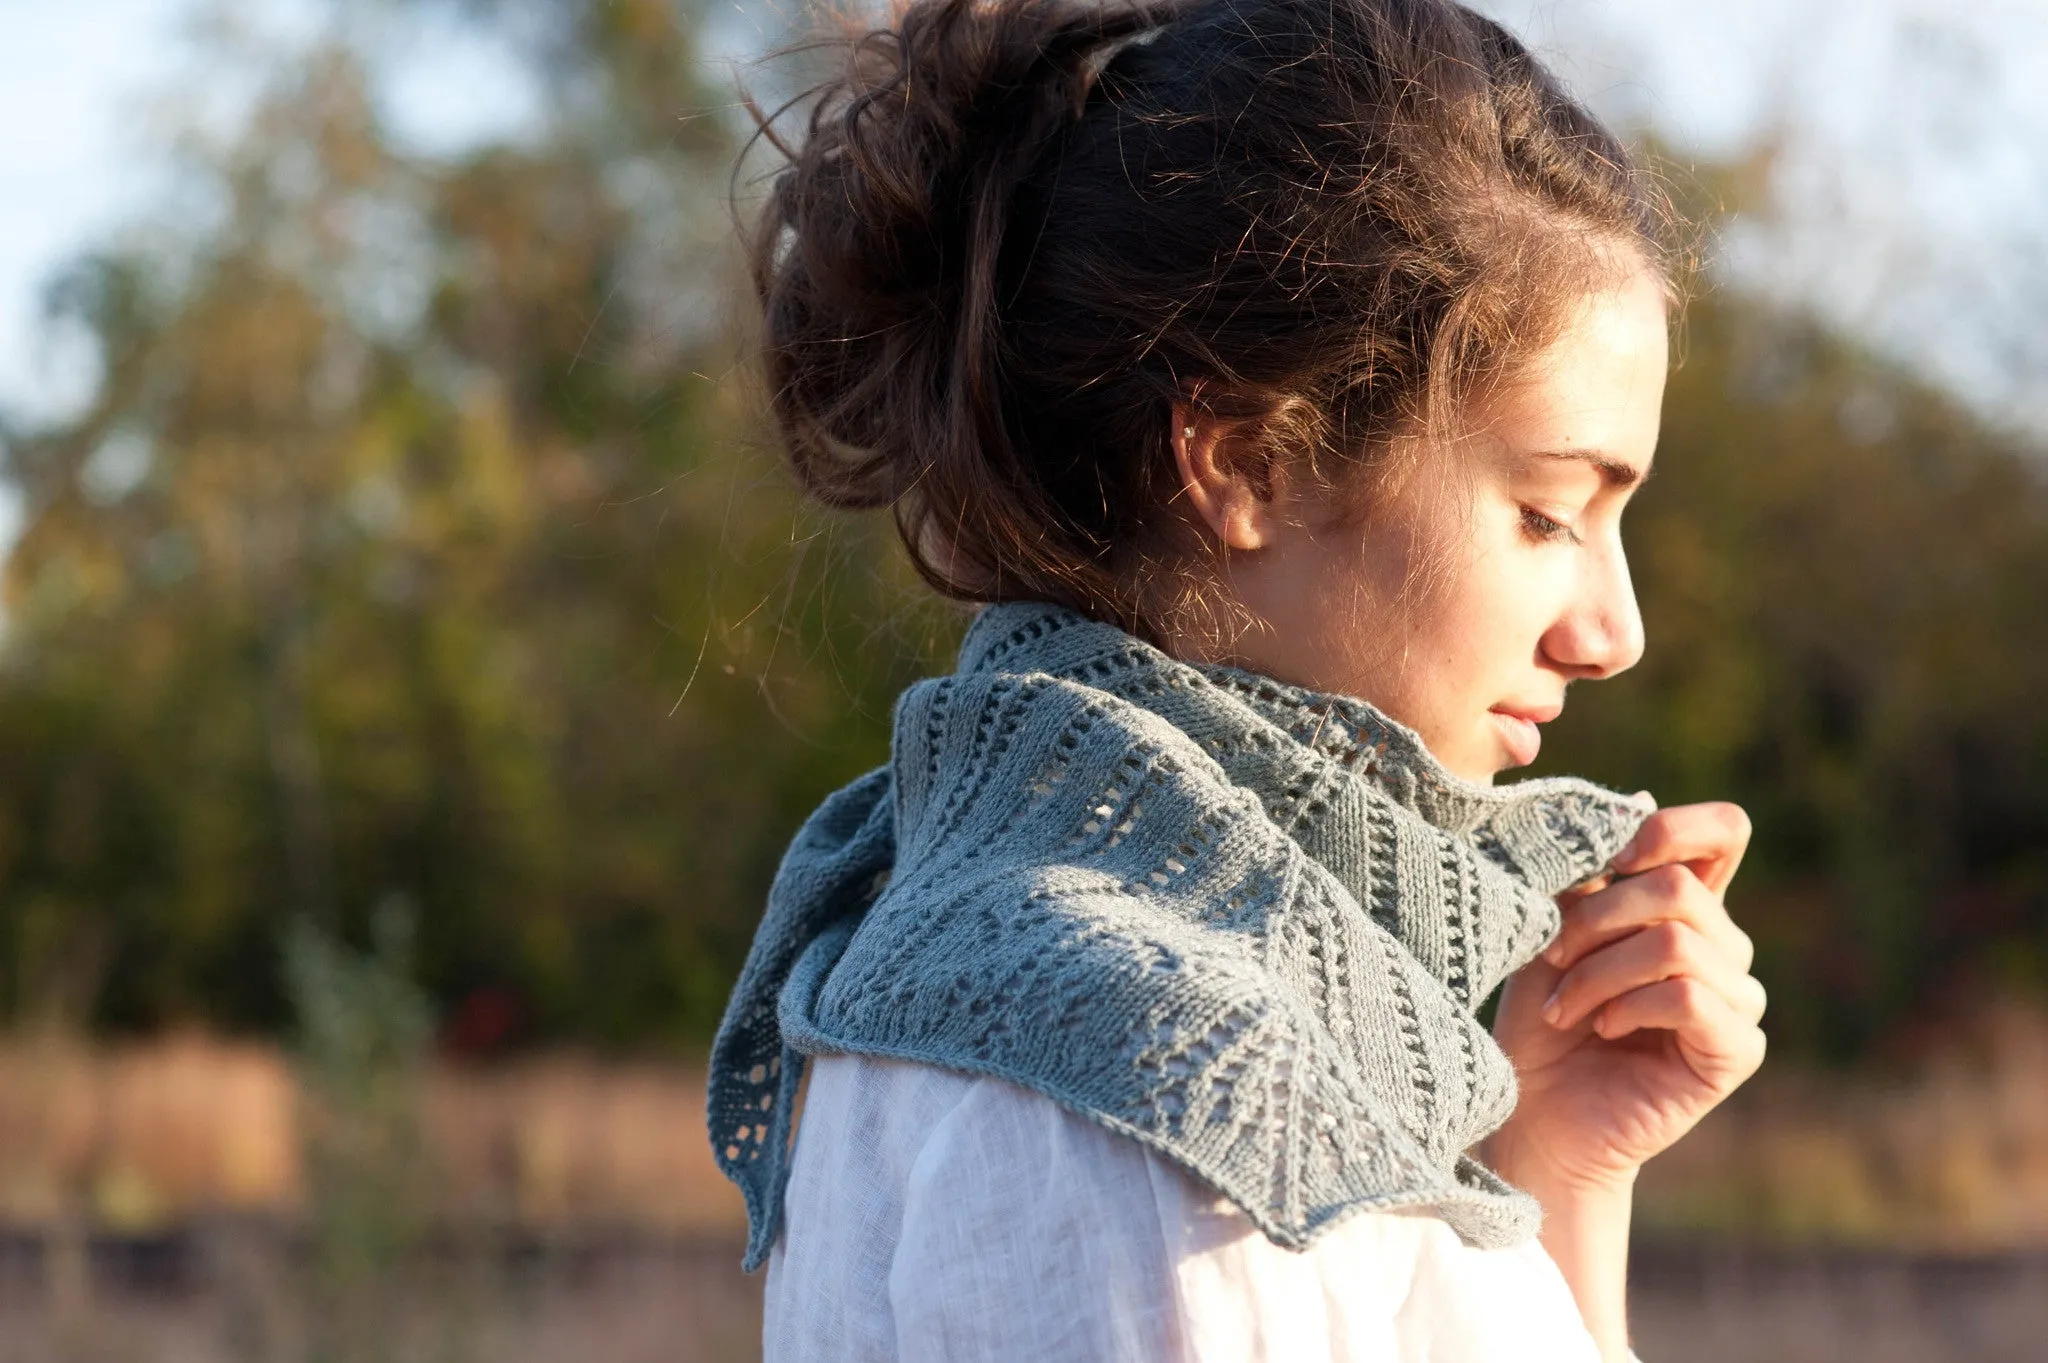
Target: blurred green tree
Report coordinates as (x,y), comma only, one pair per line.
(414,546)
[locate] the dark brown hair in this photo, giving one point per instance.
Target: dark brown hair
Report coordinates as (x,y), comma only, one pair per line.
(1016,231)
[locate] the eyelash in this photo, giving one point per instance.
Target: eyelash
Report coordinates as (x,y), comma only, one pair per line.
(1541,527)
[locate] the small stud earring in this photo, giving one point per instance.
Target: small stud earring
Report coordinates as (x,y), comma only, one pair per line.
(1188,431)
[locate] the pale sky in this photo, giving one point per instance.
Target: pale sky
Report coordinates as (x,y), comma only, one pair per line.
(1918,180)
(63,72)
(1915,182)
(80,154)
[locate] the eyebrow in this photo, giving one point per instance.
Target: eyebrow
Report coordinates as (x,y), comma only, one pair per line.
(1616,473)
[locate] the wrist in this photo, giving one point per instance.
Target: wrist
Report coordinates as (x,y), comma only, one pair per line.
(1586,1235)
(1543,1173)
(1586,1216)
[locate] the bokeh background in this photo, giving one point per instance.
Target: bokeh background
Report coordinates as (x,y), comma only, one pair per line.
(413,660)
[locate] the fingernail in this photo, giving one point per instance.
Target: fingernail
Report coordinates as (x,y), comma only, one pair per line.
(1554,953)
(1551,1006)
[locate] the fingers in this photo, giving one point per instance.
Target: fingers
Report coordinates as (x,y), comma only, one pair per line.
(1710,838)
(1663,951)
(1668,893)
(1721,1043)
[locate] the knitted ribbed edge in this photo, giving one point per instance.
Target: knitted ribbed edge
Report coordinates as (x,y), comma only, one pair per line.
(1243,923)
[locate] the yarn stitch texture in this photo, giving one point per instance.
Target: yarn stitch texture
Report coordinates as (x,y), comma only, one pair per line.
(1243,923)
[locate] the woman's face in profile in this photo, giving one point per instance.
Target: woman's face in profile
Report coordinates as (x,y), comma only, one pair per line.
(1479,586)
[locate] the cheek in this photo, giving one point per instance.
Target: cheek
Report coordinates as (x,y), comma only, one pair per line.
(1426,655)
(1476,603)
(1487,618)
(1430,635)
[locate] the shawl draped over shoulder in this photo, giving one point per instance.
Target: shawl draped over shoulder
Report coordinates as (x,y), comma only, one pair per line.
(1243,923)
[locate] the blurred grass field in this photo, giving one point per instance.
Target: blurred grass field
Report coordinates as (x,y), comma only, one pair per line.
(1947,1155)
(160,1201)
(140,1138)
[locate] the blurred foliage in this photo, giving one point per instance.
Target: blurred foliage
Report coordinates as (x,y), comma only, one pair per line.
(363,1028)
(422,546)
(414,548)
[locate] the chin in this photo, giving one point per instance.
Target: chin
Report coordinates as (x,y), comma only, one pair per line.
(1479,773)
(1490,769)
(1479,759)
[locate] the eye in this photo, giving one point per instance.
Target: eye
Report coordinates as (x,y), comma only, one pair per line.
(1541,527)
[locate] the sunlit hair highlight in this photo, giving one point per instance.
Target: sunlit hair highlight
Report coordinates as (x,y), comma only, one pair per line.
(1013,233)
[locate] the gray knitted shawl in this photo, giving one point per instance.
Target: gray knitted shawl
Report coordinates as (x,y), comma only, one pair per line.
(1242,923)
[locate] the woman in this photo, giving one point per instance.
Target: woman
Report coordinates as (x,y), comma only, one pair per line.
(1277,372)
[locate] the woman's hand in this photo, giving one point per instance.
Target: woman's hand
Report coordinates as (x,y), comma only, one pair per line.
(1639,1018)
(1635,1022)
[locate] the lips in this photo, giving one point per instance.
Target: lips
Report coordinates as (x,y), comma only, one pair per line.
(1517,727)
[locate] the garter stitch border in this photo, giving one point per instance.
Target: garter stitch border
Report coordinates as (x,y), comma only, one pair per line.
(1243,923)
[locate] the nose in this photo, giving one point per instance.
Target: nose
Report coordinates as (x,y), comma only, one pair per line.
(1600,633)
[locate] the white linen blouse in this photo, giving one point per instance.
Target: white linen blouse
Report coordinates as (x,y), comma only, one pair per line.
(939,1217)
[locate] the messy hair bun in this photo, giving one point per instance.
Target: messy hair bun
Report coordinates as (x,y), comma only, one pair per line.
(1014,232)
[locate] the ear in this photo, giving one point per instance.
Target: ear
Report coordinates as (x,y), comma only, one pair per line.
(1224,477)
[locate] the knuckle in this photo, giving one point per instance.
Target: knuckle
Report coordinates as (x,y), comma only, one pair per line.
(1654,837)
(1670,880)
(1668,939)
